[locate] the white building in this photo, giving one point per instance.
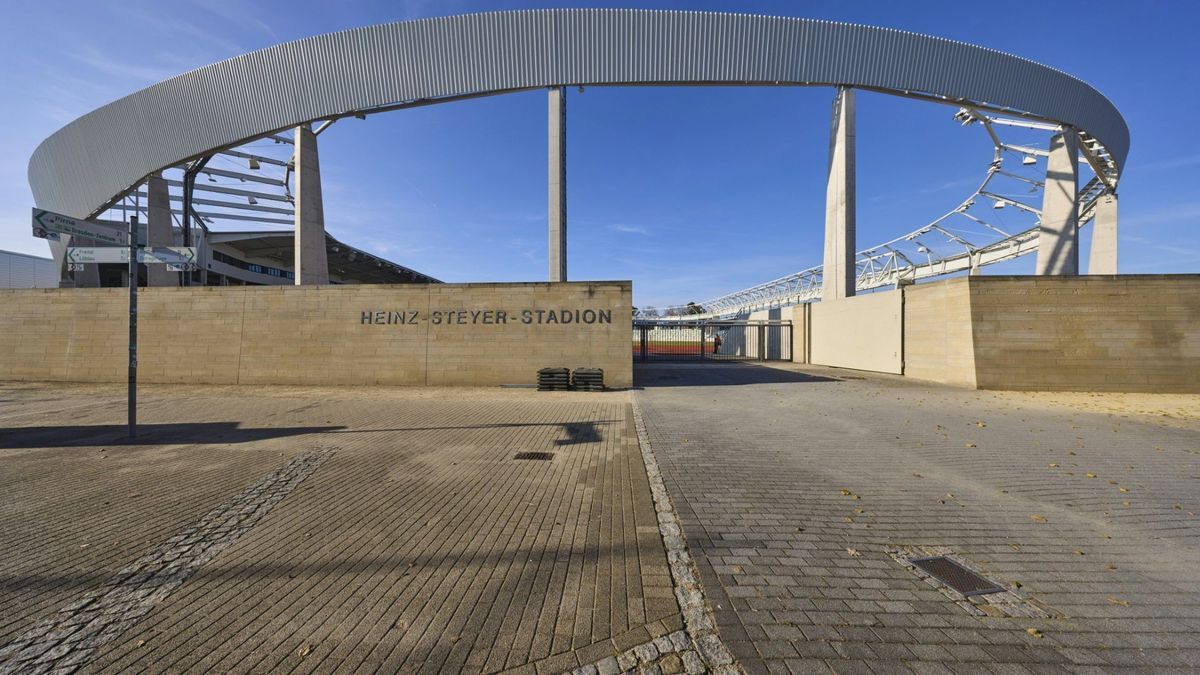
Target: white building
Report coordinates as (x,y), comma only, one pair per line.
(20,270)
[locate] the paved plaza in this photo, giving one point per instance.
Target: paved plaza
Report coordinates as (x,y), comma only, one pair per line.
(342,530)
(800,490)
(283,529)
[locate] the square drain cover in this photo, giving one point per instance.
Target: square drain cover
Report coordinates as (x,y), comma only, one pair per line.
(956,576)
(534,455)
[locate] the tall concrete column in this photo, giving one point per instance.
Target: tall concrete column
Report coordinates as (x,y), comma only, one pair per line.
(558,183)
(158,229)
(311,264)
(838,274)
(1103,256)
(1058,237)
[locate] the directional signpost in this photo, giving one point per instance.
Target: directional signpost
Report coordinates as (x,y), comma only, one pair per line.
(50,225)
(125,250)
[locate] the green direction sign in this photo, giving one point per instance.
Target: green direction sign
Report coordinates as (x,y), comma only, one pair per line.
(51,225)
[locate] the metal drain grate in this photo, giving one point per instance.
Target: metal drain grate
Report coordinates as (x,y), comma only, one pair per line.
(534,455)
(956,576)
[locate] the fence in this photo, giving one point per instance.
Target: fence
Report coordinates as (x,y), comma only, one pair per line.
(713,341)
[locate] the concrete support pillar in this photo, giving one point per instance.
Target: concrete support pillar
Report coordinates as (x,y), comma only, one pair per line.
(976,264)
(1058,238)
(158,229)
(311,264)
(838,274)
(558,183)
(1103,256)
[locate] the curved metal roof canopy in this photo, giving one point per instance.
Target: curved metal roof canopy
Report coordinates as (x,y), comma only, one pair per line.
(93,161)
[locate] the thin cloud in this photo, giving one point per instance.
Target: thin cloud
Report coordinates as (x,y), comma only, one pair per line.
(630,229)
(1188,212)
(100,62)
(239,13)
(1173,163)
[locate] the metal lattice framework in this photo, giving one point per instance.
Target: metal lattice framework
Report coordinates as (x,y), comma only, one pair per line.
(941,246)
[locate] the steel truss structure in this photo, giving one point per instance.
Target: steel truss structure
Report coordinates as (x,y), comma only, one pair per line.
(943,246)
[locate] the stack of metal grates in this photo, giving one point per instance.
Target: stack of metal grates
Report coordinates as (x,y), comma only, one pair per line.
(588,379)
(554,379)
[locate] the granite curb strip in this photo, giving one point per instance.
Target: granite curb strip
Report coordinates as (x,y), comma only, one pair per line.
(65,641)
(698,648)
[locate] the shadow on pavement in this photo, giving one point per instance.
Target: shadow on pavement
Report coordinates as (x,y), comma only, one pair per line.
(716,375)
(68,436)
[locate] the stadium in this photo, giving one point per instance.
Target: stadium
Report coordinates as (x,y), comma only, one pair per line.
(201,155)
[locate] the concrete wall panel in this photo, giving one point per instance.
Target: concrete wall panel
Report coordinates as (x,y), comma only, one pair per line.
(863,332)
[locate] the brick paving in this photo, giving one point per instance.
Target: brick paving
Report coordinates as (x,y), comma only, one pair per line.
(419,545)
(798,490)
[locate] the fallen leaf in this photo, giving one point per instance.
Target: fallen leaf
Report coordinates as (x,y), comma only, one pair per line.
(304,651)
(141,642)
(1118,601)
(855,497)
(845,492)
(853,552)
(971,445)
(1037,518)
(1034,632)
(1123,489)
(1054,465)
(980,425)
(917,475)
(1090,474)
(1016,584)
(1015,547)
(1078,552)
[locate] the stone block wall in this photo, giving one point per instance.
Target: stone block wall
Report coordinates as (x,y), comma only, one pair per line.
(1087,333)
(938,332)
(451,334)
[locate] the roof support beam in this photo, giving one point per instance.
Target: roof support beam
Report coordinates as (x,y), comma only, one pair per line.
(839,269)
(230,205)
(311,259)
(1102,259)
(258,158)
(1058,237)
(558,183)
(203,187)
(243,176)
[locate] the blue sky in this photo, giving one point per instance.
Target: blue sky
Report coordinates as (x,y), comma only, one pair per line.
(690,192)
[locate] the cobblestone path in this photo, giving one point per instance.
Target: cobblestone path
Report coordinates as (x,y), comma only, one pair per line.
(802,494)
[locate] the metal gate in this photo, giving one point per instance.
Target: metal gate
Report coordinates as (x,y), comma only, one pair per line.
(712,341)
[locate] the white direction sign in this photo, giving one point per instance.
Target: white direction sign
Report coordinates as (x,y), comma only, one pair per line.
(78,255)
(168,255)
(177,258)
(49,225)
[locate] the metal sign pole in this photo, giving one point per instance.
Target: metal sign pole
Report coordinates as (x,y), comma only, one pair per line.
(133,284)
